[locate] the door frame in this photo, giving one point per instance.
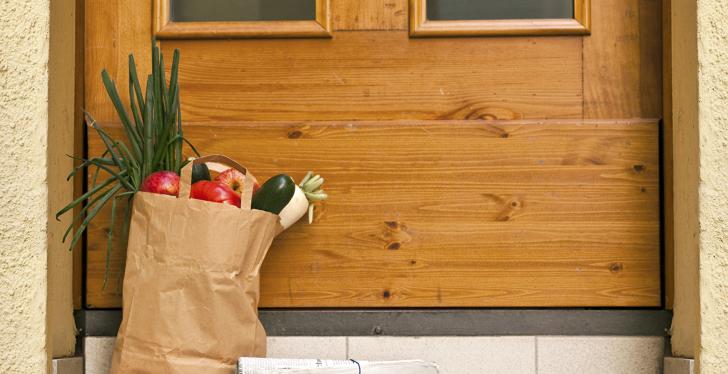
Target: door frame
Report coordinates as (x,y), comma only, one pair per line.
(666,152)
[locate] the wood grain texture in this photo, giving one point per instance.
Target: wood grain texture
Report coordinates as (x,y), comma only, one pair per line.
(425,211)
(651,58)
(511,27)
(243,30)
(420,26)
(370,15)
(667,156)
(79,147)
(113,30)
(623,60)
(370,75)
(453,213)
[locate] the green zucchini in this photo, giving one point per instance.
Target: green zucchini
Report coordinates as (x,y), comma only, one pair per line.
(200,172)
(274,194)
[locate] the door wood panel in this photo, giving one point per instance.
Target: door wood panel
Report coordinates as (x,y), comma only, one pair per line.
(506,171)
(113,30)
(370,15)
(623,60)
(513,213)
(370,75)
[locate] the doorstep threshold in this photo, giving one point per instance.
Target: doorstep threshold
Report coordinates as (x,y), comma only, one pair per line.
(432,322)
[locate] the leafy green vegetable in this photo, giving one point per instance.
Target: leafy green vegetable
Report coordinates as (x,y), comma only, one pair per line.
(154,142)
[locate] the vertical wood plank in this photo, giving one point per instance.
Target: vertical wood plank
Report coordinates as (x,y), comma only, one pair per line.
(686,174)
(650,25)
(370,14)
(79,147)
(115,29)
(623,61)
(667,157)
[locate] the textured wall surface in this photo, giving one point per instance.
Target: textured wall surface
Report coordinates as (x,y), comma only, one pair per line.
(713,119)
(24,29)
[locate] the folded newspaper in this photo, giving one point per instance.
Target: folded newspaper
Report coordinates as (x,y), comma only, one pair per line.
(296,366)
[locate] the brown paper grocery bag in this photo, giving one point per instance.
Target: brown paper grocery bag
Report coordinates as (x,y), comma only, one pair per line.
(191,286)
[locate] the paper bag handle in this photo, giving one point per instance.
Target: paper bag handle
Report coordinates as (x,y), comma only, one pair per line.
(185,180)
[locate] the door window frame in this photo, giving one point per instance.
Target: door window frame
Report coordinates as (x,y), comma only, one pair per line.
(420,26)
(165,28)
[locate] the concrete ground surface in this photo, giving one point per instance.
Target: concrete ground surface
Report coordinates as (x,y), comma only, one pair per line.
(462,355)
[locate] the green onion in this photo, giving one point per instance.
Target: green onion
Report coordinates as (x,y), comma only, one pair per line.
(153,142)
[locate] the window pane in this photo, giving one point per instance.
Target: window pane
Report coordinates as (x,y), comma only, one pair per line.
(499,9)
(242,10)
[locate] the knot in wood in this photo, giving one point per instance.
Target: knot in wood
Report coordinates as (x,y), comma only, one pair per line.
(295,134)
(616,267)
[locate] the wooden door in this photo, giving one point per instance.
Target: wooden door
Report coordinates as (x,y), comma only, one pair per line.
(496,170)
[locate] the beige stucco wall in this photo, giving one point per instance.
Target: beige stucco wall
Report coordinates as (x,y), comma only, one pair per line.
(31,327)
(23,188)
(713,127)
(700,109)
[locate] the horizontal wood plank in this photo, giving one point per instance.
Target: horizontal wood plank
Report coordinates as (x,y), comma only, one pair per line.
(452,213)
(243,30)
(376,75)
(515,27)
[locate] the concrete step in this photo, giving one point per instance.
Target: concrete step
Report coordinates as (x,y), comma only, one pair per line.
(68,365)
(461,355)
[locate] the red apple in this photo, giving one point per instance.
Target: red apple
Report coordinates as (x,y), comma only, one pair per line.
(162,182)
(215,192)
(235,180)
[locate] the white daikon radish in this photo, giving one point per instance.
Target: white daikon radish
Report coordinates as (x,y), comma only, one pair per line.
(306,194)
